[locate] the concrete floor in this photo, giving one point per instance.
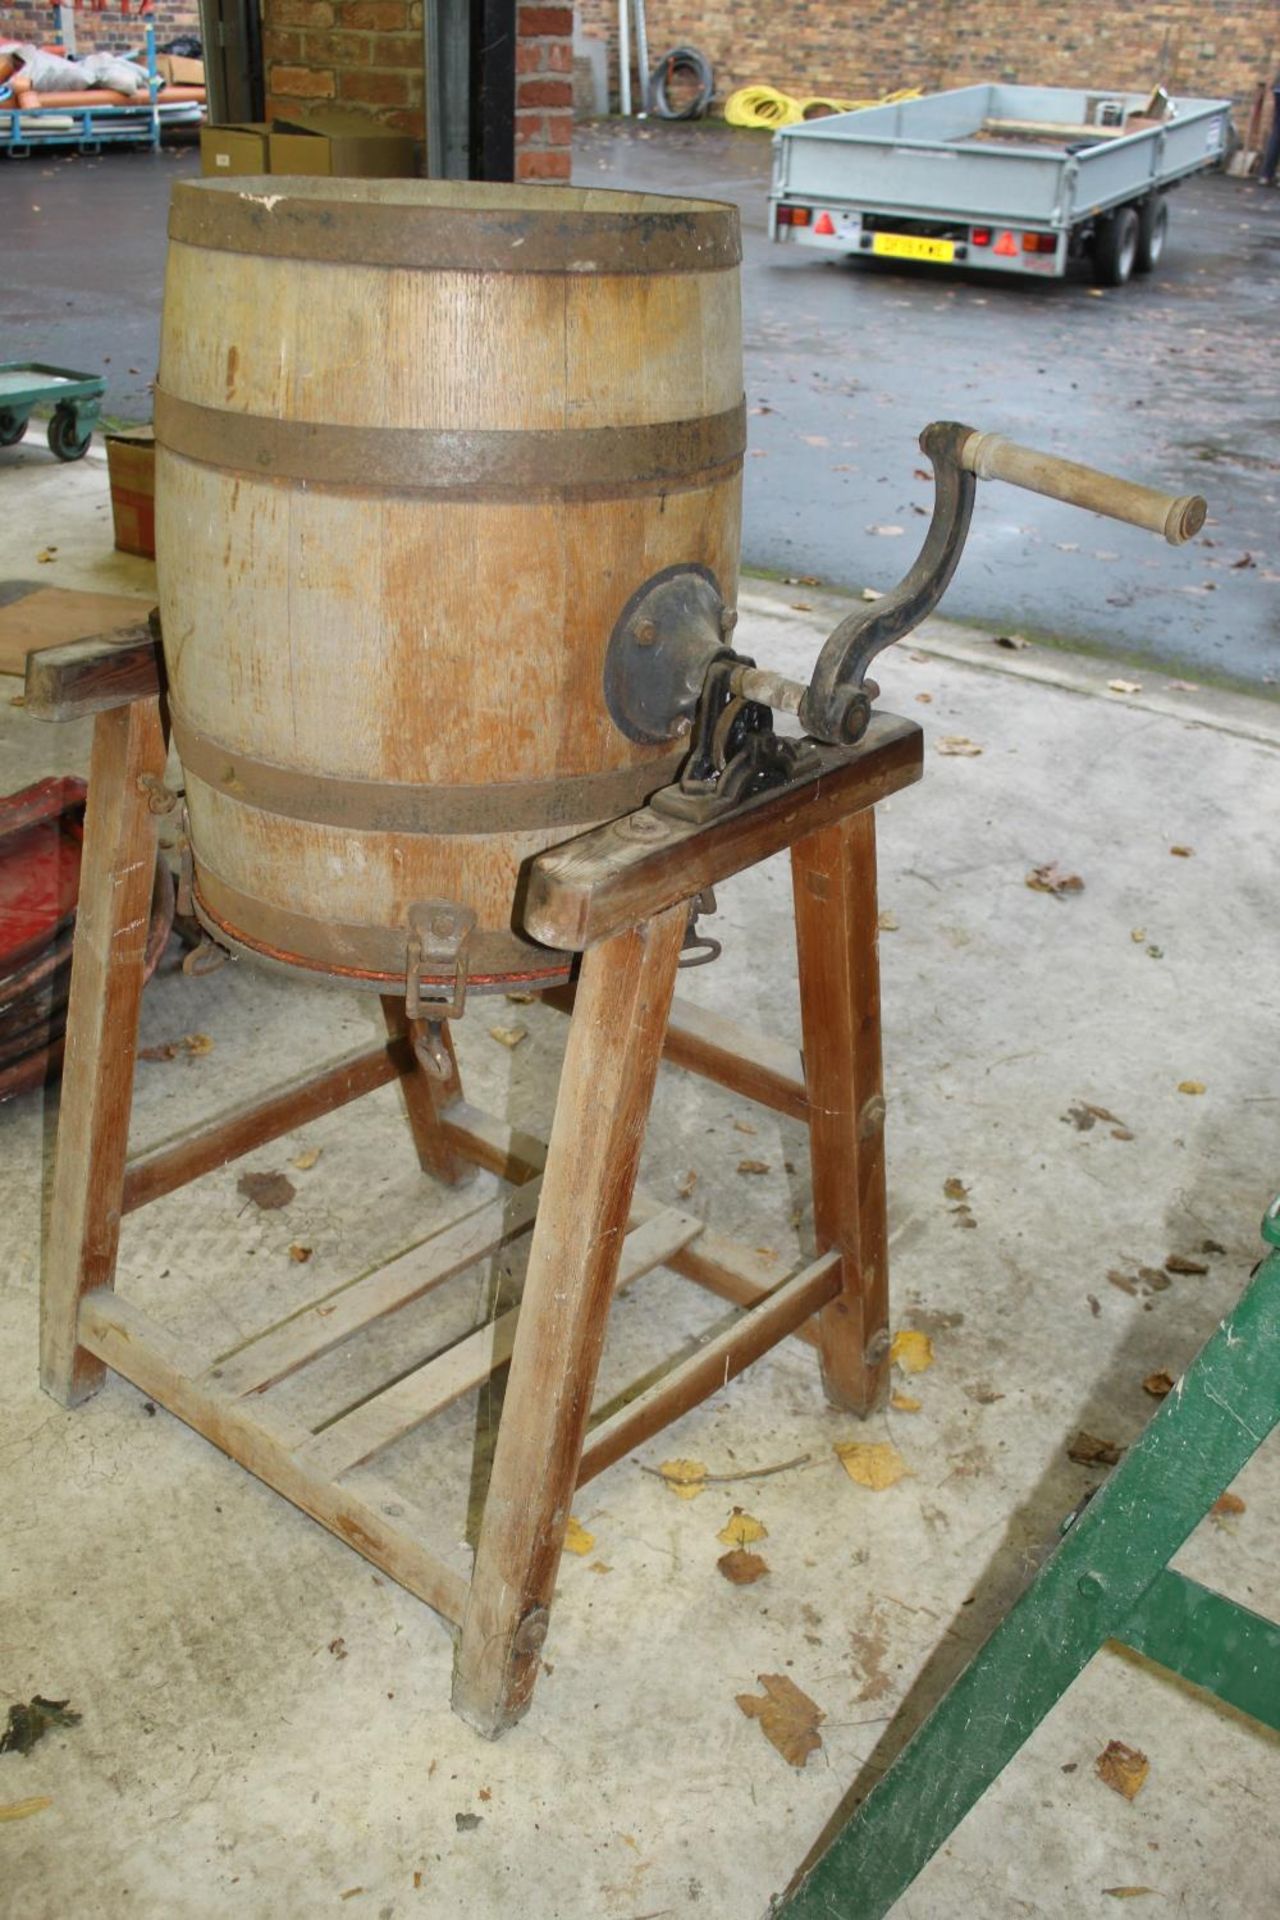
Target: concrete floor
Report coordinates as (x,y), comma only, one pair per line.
(1171,380)
(229,1762)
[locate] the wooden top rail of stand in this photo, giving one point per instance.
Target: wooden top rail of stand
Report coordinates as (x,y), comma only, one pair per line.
(588,889)
(88,676)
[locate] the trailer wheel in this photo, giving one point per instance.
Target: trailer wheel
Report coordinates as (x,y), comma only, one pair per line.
(12,427)
(1153,231)
(1115,247)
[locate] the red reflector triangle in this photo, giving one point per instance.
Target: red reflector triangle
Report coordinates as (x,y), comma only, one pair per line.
(824,224)
(1006,244)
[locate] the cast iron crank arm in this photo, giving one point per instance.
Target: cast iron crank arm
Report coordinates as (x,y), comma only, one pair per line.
(837,704)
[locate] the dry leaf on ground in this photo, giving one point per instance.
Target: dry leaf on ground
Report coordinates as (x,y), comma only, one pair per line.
(872,1463)
(1183,1263)
(1012,642)
(305,1160)
(1182,853)
(1124,686)
(872,593)
(789,1719)
(509,1037)
(887,533)
(1122,1768)
(266,1190)
(905,1403)
(686,1478)
(742,1529)
(743,1126)
(888,921)
(1127,1893)
(742,1569)
(520,998)
(686,1184)
(1225,1504)
(576,1538)
(957,746)
(1191,1086)
(30,1720)
(753,1166)
(955,1189)
(1158,1385)
(1050,878)
(23,1809)
(1087,1450)
(197,1043)
(911,1350)
(300,1254)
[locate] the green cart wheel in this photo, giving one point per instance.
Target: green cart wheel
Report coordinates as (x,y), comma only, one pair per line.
(12,427)
(67,438)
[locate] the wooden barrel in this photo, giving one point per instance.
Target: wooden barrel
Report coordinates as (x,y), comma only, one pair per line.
(418,443)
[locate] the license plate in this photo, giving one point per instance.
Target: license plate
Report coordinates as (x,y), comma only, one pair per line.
(910,246)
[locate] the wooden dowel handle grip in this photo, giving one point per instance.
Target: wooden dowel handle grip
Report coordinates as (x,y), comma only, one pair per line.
(991,457)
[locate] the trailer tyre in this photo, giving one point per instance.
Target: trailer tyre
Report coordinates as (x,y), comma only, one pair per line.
(1115,247)
(1153,231)
(12,427)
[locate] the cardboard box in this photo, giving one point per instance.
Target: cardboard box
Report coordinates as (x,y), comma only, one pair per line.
(346,145)
(131,469)
(242,149)
(179,72)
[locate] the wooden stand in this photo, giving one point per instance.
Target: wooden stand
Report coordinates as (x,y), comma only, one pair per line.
(620,896)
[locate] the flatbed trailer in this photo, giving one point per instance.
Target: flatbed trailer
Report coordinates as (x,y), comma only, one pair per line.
(1010,179)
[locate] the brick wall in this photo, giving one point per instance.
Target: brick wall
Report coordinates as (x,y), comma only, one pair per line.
(544,90)
(827,47)
(97,32)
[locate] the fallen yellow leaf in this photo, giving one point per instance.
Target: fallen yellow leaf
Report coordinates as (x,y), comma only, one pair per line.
(888,921)
(1122,1768)
(789,1719)
(577,1539)
(740,1529)
(197,1043)
(23,1809)
(306,1159)
(957,745)
(509,1037)
(686,1478)
(1124,686)
(1191,1086)
(910,1350)
(872,1463)
(905,1403)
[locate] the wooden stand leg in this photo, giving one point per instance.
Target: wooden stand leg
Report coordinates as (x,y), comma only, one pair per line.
(834,880)
(606,1086)
(425,1099)
(112,919)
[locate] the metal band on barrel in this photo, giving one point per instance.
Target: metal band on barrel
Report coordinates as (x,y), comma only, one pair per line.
(360,955)
(375,806)
(452,464)
(285,223)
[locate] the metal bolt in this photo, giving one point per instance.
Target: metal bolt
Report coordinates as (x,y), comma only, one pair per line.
(646,633)
(878,1346)
(1091,1586)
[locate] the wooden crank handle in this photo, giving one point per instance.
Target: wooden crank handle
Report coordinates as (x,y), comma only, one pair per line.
(991,457)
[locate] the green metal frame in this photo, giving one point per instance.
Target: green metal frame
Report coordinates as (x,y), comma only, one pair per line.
(1108,1579)
(75,397)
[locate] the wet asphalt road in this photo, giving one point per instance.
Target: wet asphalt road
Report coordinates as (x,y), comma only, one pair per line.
(1172,380)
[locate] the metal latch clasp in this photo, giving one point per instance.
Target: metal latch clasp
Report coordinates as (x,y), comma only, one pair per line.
(439,935)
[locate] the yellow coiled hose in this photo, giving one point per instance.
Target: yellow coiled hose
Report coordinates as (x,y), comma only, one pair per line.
(767,107)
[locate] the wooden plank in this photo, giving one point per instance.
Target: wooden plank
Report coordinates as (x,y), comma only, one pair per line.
(592,888)
(834,885)
(712,1366)
(34,616)
(611,1063)
(754,1065)
(92,676)
(424,1097)
(112,922)
(326,1323)
(407,1403)
(723,1266)
(125,1340)
(164,1169)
